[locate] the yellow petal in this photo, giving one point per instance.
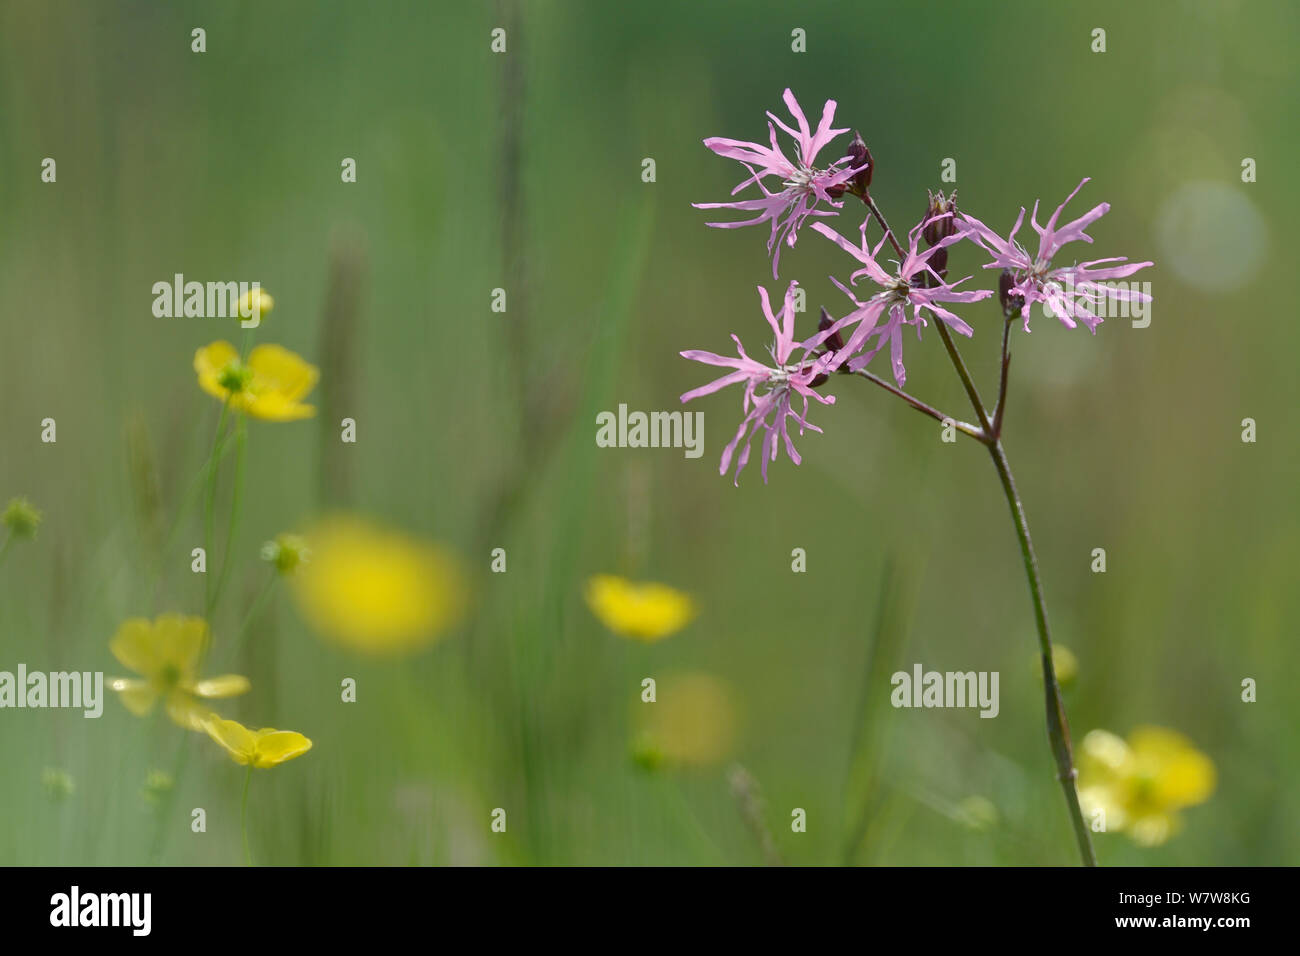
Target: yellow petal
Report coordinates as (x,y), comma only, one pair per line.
(239,741)
(227,685)
(185,711)
(644,611)
(1153,829)
(276,746)
(209,362)
(135,645)
(281,372)
(1181,774)
(376,590)
(275,408)
(181,640)
(137,696)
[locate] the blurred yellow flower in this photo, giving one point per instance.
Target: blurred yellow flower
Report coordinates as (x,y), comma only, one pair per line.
(258,297)
(269,386)
(692,722)
(166,653)
(263,748)
(377,590)
(1143,782)
(642,611)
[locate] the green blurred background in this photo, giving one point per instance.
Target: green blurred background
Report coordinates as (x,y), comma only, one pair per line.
(476,429)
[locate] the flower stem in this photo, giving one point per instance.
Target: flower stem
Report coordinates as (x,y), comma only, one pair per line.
(967,382)
(1058,729)
(240,440)
(259,602)
(243,817)
(920,406)
(210,505)
(1000,410)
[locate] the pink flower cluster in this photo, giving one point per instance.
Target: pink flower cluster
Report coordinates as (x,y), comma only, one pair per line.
(903,294)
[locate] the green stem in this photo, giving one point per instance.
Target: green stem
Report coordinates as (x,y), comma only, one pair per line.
(258,603)
(241,429)
(1058,729)
(210,506)
(219,450)
(243,817)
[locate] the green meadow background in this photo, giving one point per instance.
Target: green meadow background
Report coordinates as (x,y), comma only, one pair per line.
(476,429)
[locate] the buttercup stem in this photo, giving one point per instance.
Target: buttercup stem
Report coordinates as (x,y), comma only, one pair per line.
(243,817)
(240,440)
(1058,730)
(210,504)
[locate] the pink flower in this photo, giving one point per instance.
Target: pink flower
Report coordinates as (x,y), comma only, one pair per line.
(769,391)
(915,284)
(1069,292)
(802,185)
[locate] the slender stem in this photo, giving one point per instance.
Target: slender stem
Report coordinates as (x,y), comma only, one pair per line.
(258,603)
(241,429)
(210,505)
(1058,729)
(880,218)
(920,406)
(220,448)
(243,817)
(964,374)
(1002,381)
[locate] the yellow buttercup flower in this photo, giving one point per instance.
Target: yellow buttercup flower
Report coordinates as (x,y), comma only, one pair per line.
(166,653)
(642,611)
(692,722)
(1143,782)
(259,298)
(269,386)
(262,749)
(377,590)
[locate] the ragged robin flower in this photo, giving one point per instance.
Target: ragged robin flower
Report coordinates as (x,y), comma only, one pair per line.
(799,185)
(770,391)
(262,749)
(166,652)
(913,287)
(1070,291)
(269,386)
(643,611)
(1141,784)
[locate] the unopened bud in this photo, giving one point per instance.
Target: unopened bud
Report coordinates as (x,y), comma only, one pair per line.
(1011,304)
(860,155)
(940,229)
(834,341)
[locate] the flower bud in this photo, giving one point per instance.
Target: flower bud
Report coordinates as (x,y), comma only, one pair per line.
(21,518)
(254,302)
(835,341)
(1011,304)
(286,552)
(859,155)
(940,229)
